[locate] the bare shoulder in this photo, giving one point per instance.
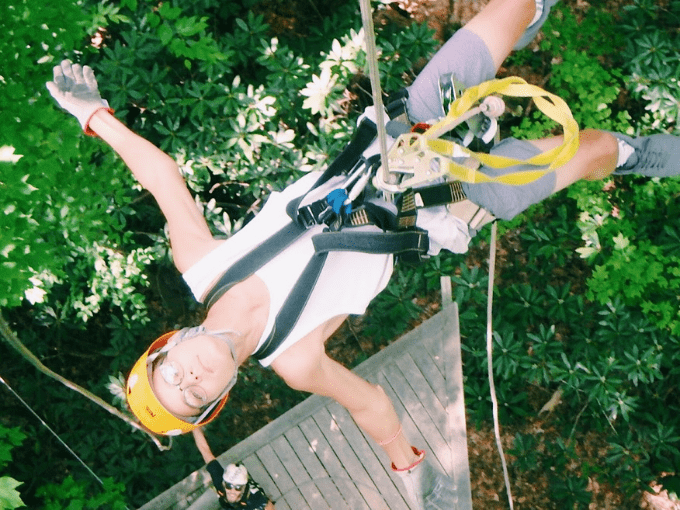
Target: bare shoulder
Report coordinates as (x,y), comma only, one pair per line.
(190,247)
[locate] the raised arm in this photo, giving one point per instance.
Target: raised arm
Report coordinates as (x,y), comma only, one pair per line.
(213,466)
(75,89)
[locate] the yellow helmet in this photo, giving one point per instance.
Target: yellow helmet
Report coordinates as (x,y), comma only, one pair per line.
(148,409)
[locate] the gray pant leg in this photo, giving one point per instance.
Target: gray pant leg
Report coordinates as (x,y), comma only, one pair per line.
(466,56)
(506,201)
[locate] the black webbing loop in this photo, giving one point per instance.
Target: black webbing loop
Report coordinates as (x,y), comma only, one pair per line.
(292,308)
(438,194)
(413,242)
(363,137)
(254,260)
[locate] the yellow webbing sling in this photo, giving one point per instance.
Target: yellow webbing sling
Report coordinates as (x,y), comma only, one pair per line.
(413,153)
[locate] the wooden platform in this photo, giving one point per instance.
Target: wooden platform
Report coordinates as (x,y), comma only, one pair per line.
(314,456)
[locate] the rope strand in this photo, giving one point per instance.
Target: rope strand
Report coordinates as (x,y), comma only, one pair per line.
(51,431)
(489,353)
(374,74)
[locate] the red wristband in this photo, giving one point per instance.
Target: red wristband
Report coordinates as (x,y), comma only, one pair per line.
(421,456)
(87,129)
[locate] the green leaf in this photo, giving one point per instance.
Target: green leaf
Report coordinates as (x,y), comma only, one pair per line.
(165,34)
(169,12)
(187,27)
(10,498)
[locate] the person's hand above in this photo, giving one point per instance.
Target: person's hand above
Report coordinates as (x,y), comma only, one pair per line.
(75,88)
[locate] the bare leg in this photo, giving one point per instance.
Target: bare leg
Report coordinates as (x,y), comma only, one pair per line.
(500,25)
(306,367)
(594,160)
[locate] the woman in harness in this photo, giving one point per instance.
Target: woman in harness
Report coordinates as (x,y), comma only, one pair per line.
(182,381)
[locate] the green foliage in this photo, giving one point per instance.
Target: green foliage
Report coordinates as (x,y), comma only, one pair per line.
(9,495)
(652,61)
(71,494)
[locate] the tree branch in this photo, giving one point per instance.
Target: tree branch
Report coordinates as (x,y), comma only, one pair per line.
(11,338)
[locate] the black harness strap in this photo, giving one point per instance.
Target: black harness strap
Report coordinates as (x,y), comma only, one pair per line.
(399,243)
(275,244)
(292,308)
(254,260)
(365,134)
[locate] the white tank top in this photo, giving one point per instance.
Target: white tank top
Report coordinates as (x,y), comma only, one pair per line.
(347,284)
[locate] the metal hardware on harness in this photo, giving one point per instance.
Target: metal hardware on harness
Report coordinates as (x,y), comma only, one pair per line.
(450,89)
(321,212)
(415,163)
(432,155)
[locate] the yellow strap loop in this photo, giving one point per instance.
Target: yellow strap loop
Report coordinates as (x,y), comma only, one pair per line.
(551,105)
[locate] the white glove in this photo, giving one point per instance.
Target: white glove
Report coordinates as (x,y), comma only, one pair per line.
(75,89)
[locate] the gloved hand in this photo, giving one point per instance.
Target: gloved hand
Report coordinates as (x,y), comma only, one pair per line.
(216,473)
(75,89)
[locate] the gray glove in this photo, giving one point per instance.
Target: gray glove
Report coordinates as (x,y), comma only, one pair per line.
(428,488)
(75,89)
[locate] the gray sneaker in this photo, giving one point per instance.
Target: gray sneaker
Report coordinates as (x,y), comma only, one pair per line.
(654,156)
(534,27)
(428,488)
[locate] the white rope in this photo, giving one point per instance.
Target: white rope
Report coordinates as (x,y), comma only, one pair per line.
(374,75)
(51,431)
(489,354)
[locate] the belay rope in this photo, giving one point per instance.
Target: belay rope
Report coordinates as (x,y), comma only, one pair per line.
(489,356)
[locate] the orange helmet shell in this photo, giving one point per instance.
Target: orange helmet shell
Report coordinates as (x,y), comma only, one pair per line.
(148,409)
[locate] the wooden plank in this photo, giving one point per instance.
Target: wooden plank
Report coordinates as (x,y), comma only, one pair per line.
(274,429)
(280,475)
(432,342)
(261,476)
(456,410)
(423,391)
(426,405)
(352,465)
(447,293)
(298,473)
(319,475)
(435,378)
(331,463)
(372,456)
(206,501)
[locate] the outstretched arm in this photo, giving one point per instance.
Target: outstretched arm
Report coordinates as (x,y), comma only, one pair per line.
(212,464)
(75,89)
(158,173)
(202,445)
